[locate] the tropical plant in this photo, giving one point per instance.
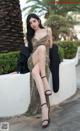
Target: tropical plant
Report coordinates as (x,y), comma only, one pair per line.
(38,6)
(59,25)
(11,32)
(55,11)
(60,7)
(65,6)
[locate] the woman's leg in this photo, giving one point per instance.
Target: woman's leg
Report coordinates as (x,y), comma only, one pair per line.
(40,88)
(39,83)
(42,63)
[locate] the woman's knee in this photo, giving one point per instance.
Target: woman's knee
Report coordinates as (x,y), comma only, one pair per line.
(42,48)
(35,72)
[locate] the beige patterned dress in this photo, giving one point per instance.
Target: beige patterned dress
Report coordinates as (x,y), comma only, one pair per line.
(43,41)
(33,90)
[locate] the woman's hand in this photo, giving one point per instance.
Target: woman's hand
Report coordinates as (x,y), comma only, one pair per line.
(25,42)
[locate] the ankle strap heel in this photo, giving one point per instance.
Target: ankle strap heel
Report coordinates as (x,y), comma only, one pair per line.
(47,120)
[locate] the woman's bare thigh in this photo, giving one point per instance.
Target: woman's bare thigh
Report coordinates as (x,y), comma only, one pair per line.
(35,56)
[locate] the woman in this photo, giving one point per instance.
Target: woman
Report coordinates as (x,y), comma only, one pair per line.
(39,41)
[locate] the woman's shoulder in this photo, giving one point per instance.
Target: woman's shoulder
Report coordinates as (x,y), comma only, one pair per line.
(49,29)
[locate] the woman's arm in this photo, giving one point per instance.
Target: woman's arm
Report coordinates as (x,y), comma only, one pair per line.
(50,36)
(25,42)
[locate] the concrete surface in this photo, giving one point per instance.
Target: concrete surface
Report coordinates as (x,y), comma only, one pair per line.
(64,117)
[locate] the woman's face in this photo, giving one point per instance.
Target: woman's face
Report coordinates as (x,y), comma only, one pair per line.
(34,23)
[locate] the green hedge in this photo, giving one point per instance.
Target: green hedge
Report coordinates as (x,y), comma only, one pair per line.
(8,62)
(67,49)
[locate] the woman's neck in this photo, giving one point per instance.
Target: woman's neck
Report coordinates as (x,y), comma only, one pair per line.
(38,29)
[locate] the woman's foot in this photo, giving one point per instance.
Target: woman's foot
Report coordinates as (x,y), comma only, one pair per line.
(45,115)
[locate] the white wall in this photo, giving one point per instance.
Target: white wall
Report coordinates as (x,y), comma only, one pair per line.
(15,89)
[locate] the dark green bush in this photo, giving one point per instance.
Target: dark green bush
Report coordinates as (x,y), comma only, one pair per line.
(68,49)
(61,53)
(8,62)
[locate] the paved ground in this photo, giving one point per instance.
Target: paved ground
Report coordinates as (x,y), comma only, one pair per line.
(65,117)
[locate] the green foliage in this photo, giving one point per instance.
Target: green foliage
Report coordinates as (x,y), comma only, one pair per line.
(61,52)
(69,47)
(58,24)
(8,62)
(62,7)
(38,6)
(56,14)
(57,20)
(78,43)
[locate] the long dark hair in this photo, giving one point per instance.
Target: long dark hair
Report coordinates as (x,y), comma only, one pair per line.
(30,31)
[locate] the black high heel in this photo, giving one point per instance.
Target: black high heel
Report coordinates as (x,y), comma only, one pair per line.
(47,120)
(47,92)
